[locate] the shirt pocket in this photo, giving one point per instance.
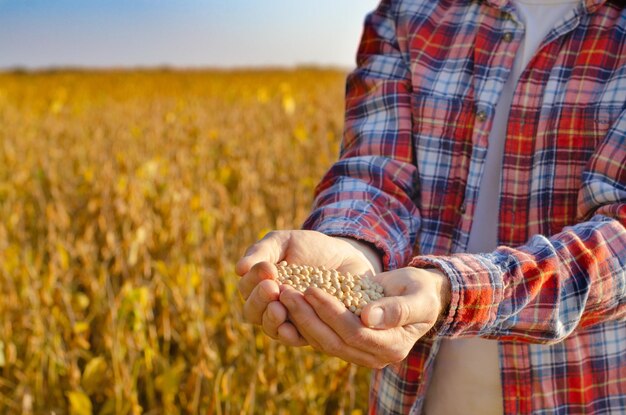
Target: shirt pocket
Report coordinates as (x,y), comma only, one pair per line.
(574,134)
(442,139)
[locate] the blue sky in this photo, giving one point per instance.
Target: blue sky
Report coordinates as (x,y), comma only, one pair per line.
(227,33)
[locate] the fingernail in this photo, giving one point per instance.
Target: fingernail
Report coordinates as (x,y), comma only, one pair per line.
(375,317)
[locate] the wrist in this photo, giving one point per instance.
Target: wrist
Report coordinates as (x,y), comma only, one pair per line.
(371,254)
(444,290)
(445,293)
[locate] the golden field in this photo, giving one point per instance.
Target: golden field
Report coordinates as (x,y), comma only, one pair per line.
(126,197)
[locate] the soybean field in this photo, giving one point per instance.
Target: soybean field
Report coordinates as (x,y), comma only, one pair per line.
(126,197)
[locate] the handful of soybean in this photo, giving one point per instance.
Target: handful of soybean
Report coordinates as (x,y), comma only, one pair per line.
(354,291)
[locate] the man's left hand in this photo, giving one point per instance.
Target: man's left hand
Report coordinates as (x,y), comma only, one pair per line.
(387,329)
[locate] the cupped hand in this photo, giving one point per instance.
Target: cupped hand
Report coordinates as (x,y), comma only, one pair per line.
(387,329)
(258,285)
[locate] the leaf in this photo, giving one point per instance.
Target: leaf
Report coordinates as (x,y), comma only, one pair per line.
(301,134)
(64,258)
(108,408)
(169,381)
(289,105)
(94,374)
(81,327)
(80,404)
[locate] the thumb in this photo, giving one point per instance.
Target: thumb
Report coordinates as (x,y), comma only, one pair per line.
(399,311)
(269,249)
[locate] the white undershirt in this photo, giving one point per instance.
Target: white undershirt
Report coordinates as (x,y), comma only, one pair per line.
(466,376)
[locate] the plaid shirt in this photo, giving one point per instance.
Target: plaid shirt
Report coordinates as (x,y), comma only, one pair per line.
(419,109)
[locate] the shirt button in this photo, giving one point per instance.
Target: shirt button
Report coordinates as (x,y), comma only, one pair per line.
(508,16)
(463,208)
(507,37)
(481,115)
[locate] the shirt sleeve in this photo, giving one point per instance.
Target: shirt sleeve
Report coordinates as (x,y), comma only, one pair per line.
(542,291)
(369,194)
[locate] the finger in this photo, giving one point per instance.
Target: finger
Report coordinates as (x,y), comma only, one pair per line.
(343,322)
(289,335)
(263,294)
(318,333)
(273,317)
(259,272)
(400,311)
(269,249)
(291,292)
(387,346)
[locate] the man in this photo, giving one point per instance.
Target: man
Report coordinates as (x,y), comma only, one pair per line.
(483,166)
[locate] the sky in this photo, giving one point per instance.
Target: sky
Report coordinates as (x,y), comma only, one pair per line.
(180,33)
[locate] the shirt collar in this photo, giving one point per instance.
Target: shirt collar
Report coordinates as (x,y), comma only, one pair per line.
(593,5)
(590,5)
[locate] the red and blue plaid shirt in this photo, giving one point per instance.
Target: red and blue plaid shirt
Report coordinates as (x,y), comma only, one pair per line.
(419,109)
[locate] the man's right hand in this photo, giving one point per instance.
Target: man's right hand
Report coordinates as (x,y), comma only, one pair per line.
(258,285)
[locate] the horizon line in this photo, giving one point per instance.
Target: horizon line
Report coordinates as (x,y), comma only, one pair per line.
(170,67)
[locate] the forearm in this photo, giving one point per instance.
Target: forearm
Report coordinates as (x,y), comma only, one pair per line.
(358,199)
(370,194)
(542,291)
